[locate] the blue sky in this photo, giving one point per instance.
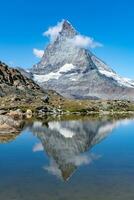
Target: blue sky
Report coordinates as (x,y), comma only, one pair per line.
(110,22)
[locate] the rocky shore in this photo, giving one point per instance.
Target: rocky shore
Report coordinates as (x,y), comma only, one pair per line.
(15,111)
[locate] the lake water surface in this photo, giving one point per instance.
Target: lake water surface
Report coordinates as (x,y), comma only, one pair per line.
(84,159)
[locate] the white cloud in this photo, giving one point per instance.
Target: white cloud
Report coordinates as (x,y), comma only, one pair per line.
(81,160)
(53,31)
(84,159)
(38,53)
(38,147)
(85,42)
(53,169)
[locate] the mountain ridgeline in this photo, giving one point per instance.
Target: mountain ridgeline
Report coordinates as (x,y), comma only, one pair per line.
(75,72)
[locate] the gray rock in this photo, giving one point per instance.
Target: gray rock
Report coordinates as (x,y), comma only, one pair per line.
(45,99)
(9,125)
(2,112)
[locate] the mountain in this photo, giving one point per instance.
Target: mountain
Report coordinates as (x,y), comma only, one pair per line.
(75,72)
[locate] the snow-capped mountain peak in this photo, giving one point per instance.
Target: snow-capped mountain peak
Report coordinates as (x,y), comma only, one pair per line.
(71,69)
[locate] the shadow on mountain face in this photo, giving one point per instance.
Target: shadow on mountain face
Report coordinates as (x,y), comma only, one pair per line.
(65,142)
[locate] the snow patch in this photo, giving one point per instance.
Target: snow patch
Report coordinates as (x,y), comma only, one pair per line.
(54,75)
(121,81)
(63,131)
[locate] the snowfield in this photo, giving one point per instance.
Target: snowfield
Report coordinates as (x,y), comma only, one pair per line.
(54,75)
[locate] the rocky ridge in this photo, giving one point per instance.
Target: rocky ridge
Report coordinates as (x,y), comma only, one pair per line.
(12,81)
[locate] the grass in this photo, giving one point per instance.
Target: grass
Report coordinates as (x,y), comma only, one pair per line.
(64,105)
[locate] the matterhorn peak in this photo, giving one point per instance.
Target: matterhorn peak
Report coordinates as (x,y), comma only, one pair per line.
(66,24)
(67,30)
(69,68)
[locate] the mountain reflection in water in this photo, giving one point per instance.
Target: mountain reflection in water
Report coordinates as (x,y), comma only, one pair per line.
(66,142)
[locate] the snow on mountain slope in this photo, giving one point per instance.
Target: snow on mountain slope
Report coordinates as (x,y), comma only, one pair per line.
(107,71)
(65,131)
(54,75)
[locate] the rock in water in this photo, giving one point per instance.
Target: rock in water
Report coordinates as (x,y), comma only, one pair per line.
(75,72)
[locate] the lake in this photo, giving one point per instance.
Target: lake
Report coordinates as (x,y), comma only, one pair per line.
(83,159)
